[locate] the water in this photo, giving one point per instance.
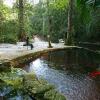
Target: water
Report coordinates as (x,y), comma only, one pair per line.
(69,72)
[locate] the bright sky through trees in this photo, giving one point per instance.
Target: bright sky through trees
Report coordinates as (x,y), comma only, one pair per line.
(10,2)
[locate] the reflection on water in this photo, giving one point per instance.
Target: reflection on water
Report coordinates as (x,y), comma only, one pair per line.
(68,71)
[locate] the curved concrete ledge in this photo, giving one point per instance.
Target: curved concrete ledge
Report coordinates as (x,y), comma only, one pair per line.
(32,55)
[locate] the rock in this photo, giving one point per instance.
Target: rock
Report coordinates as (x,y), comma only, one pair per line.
(36,86)
(28,84)
(53,95)
(40,89)
(5,66)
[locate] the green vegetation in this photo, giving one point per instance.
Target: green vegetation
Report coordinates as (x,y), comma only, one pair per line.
(20,83)
(73,20)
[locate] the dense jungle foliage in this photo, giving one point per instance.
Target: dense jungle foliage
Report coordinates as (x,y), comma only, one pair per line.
(50,17)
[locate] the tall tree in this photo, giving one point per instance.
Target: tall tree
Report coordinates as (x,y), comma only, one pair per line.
(1,16)
(21,34)
(70,29)
(84,13)
(49,25)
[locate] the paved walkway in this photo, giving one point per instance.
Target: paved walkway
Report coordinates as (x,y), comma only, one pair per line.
(10,51)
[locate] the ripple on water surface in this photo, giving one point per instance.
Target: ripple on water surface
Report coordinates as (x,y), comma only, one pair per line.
(74,85)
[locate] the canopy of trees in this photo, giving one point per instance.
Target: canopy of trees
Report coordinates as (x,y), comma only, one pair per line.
(73,20)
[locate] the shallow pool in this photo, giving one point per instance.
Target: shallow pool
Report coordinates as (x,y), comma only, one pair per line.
(69,71)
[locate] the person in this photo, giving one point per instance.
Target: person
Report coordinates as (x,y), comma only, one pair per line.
(31,45)
(27,40)
(28,44)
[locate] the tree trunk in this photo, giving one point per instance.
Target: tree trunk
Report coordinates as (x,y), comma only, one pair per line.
(69,36)
(1,18)
(21,34)
(49,26)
